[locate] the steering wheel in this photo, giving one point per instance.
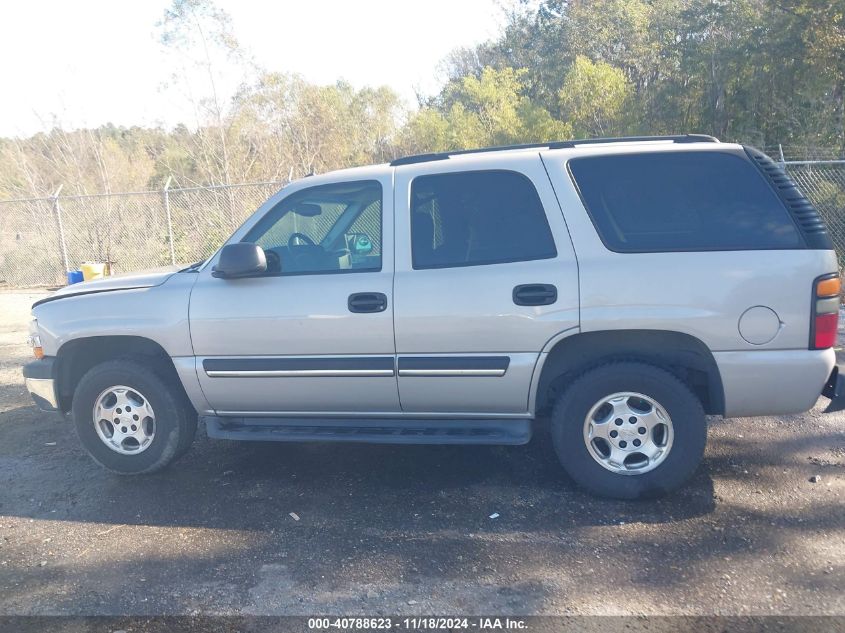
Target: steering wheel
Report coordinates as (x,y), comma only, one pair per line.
(274,262)
(304,239)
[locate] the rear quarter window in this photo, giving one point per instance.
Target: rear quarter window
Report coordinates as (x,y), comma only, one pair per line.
(682,201)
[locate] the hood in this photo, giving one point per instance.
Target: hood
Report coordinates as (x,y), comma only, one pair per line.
(129,281)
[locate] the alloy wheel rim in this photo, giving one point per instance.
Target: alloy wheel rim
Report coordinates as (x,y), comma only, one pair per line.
(124,420)
(628,433)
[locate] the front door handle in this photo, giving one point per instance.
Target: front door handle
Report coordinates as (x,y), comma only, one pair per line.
(534,295)
(367,302)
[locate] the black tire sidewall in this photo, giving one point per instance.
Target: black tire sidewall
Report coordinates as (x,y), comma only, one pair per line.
(688,423)
(168,416)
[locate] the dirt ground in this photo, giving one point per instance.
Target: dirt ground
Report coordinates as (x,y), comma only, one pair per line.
(346,529)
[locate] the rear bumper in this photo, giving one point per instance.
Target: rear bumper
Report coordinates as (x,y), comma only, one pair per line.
(773,382)
(41,383)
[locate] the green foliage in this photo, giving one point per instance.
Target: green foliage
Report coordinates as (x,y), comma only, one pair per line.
(426,131)
(190,22)
(282,125)
(491,109)
(594,97)
(758,71)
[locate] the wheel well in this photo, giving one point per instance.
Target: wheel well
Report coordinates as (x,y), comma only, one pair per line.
(76,357)
(683,355)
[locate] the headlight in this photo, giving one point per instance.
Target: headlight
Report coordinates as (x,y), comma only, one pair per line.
(34,340)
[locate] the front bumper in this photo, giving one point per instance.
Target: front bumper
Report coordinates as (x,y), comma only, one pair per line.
(834,389)
(40,381)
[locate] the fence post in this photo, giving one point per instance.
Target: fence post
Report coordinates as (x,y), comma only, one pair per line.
(57,209)
(780,149)
(169,220)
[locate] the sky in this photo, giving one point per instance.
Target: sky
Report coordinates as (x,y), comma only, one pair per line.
(89,62)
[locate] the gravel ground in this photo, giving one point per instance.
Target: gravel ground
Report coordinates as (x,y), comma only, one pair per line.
(336,529)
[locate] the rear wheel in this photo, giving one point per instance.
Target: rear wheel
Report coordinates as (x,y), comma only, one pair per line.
(629,430)
(129,420)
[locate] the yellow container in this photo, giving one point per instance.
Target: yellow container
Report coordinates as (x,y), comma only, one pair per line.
(93,270)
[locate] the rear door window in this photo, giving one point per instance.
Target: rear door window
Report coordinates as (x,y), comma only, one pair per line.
(477,217)
(682,201)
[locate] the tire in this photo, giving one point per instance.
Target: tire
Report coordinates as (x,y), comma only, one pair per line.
(640,475)
(187,438)
(170,430)
(170,377)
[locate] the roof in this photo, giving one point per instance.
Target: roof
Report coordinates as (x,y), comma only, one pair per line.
(376,171)
(424,158)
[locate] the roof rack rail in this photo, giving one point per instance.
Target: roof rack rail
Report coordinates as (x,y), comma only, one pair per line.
(677,138)
(680,138)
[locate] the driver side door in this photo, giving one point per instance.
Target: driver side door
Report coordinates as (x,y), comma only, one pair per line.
(314,334)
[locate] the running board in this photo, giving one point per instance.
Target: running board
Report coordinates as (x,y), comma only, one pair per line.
(370,430)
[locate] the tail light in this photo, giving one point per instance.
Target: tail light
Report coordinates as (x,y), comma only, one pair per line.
(825,317)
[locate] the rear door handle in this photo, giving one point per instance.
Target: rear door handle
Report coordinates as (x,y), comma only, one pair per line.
(367,302)
(534,295)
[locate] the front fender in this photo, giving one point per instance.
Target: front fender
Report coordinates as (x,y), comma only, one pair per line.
(159,313)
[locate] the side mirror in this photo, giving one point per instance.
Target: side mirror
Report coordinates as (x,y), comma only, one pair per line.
(242,259)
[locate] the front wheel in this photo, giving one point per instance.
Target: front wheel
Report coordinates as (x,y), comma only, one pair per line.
(628,430)
(129,420)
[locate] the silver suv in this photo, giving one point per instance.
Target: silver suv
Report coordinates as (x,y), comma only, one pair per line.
(623,289)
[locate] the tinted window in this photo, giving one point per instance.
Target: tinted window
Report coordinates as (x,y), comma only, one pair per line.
(480,217)
(682,201)
(330,228)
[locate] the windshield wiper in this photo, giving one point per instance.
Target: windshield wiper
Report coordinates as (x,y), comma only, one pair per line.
(193,267)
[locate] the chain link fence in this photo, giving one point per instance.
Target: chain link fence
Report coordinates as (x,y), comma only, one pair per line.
(823,182)
(42,238)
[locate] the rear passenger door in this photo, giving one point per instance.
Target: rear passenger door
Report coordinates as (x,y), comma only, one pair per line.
(485,276)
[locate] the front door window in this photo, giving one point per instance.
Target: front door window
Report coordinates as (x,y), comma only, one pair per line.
(323,229)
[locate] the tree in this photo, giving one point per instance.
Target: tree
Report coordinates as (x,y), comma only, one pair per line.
(286,126)
(491,109)
(757,71)
(594,98)
(761,71)
(201,33)
(820,27)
